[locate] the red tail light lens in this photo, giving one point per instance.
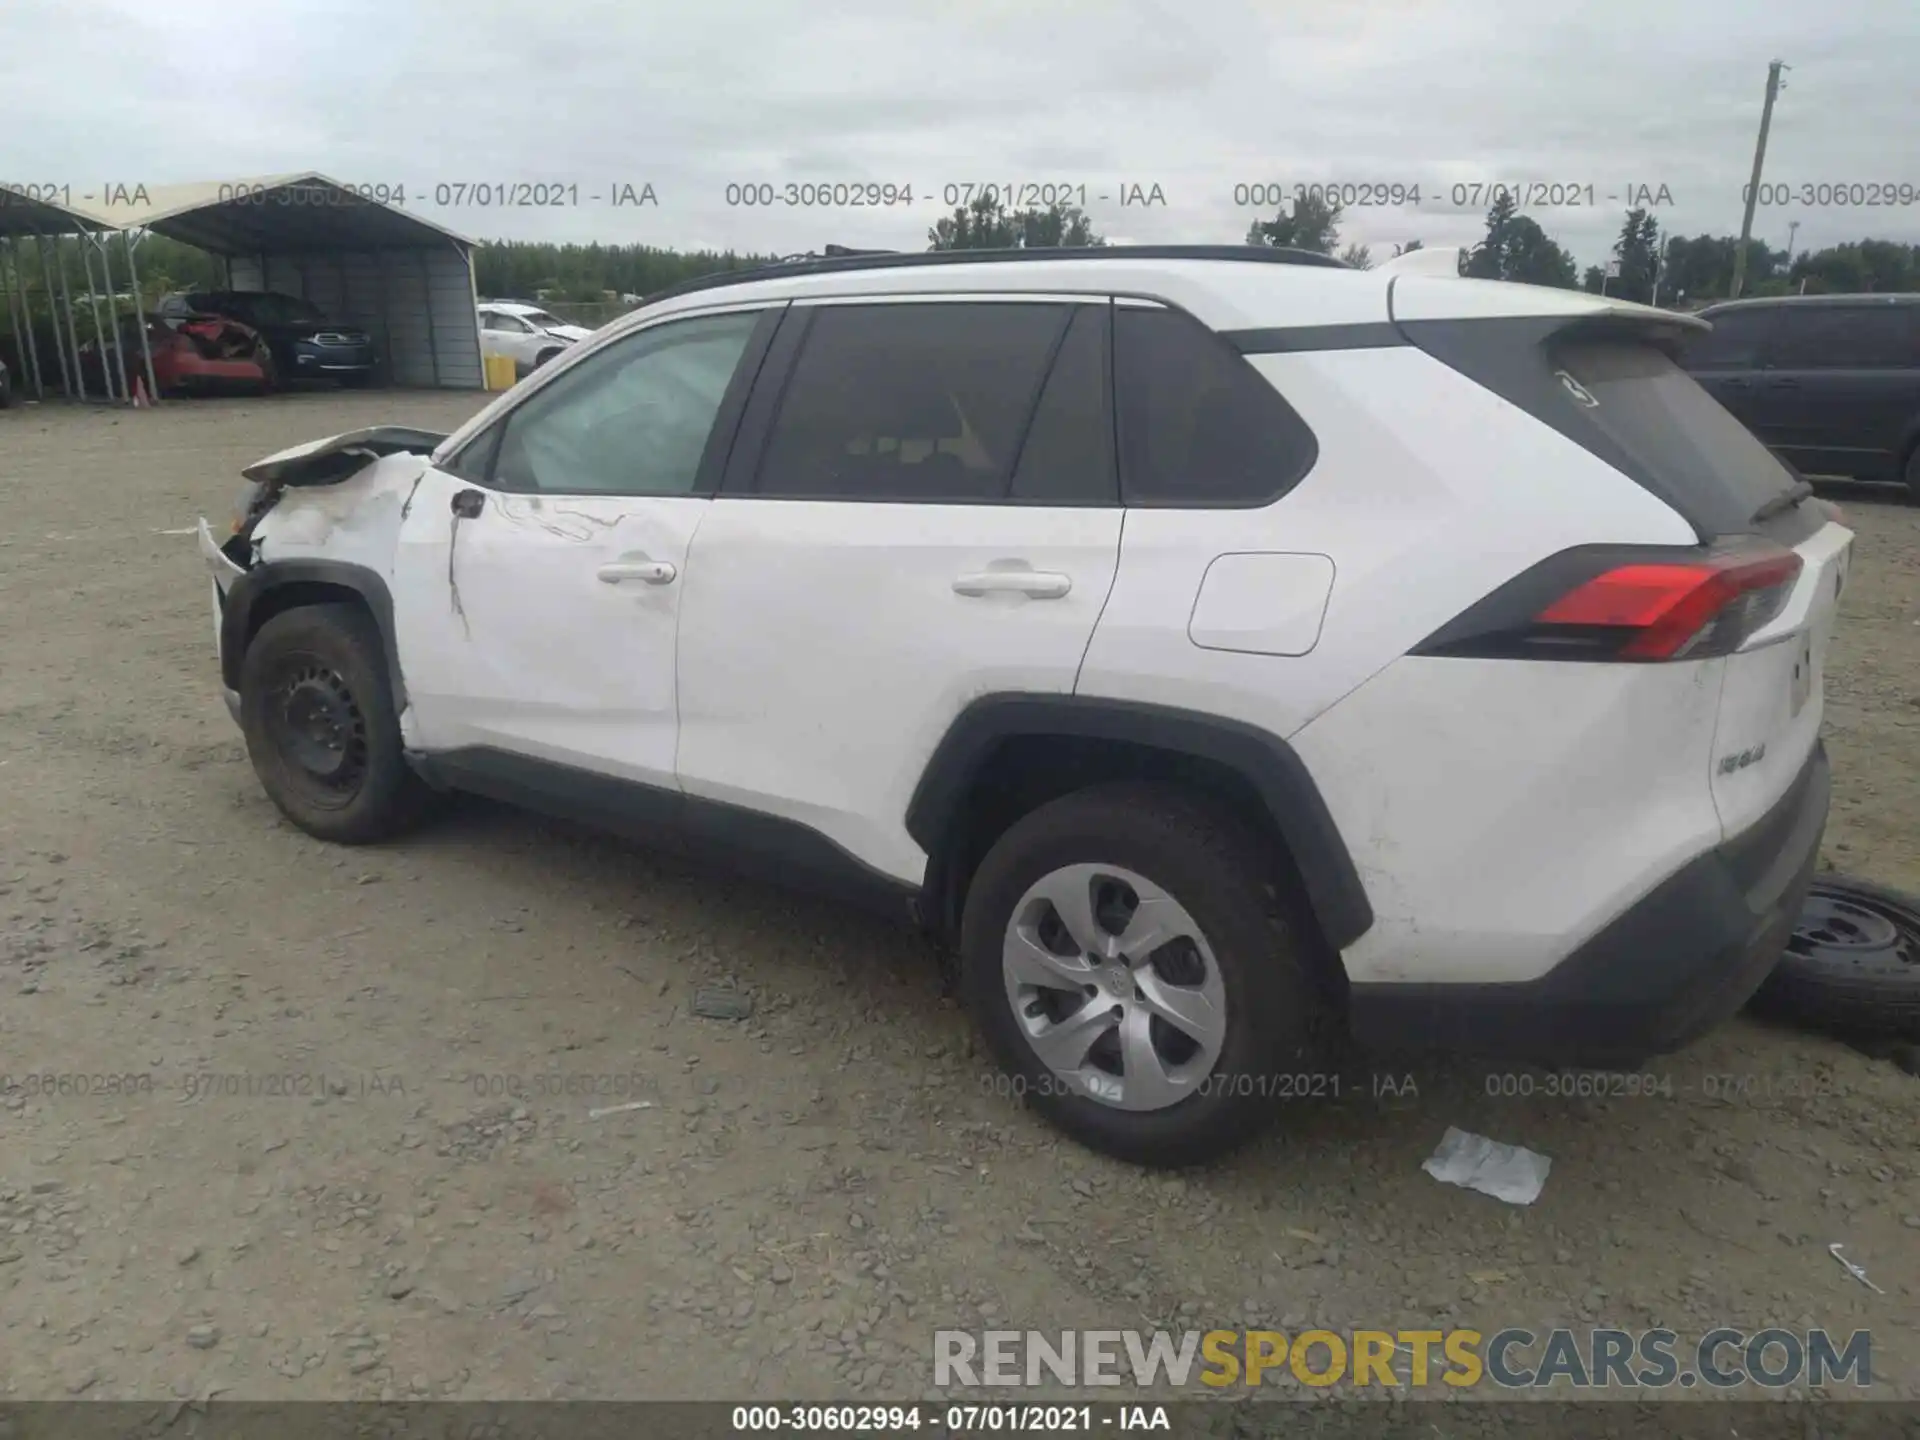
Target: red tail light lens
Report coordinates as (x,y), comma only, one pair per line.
(1599,603)
(1673,611)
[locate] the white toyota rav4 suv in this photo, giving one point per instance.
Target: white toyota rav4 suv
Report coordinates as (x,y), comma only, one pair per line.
(1220,648)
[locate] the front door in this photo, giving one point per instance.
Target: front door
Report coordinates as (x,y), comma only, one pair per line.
(538,579)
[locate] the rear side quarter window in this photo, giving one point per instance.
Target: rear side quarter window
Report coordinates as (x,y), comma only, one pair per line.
(1199,426)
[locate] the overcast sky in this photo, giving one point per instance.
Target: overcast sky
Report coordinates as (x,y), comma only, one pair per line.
(1194,96)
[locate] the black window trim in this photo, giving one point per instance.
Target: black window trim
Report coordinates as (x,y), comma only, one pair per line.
(720,438)
(746,465)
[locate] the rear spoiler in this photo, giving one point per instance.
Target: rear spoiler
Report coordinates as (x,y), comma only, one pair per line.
(1411,298)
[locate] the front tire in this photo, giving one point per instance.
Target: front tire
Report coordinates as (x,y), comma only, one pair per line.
(1132,959)
(321,727)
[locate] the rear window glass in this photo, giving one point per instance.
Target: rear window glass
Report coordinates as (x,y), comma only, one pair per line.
(1624,400)
(1658,414)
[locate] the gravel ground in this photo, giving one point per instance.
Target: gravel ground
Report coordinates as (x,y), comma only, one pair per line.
(362,1160)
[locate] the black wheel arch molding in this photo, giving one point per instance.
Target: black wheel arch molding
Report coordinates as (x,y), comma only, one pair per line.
(1266,762)
(255,588)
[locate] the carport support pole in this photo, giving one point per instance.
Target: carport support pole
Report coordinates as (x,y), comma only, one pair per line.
(93,308)
(21,316)
(426,299)
(140,317)
(26,313)
(53,314)
(113,315)
(73,329)
(380,258)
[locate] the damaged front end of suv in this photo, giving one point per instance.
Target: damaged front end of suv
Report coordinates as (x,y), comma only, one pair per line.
(309,519)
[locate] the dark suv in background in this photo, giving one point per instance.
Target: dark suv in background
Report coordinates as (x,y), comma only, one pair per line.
(304,342)
(1830,382)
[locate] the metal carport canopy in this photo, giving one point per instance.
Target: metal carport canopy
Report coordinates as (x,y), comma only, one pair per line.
(23,216)
(403,277)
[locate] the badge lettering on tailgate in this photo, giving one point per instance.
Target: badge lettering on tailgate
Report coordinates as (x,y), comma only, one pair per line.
(1741,759)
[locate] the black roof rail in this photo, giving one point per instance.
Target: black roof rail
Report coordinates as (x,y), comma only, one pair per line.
(909,259)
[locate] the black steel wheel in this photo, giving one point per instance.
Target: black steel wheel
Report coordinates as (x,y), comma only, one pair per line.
(317,707)
(318,730)
(1852,964)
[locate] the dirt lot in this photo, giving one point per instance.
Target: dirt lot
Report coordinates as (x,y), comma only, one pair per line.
(432,1211)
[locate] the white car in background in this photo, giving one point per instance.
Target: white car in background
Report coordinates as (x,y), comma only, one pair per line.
(526,333)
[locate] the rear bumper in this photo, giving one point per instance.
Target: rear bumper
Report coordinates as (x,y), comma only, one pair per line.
(1685,957)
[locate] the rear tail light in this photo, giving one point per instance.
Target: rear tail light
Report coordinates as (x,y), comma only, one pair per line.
(1599,603)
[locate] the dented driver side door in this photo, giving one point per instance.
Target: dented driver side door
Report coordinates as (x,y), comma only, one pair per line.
(538,579)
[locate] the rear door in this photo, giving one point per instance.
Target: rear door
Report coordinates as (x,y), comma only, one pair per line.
(1842,387)
(921,510)
(1727,362)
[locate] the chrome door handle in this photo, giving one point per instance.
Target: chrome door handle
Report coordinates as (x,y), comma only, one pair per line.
(653,572)
(1039,584)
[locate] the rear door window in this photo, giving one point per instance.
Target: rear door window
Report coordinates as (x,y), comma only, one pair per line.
(1199,426)
(1068,455)
(1845,337)
(914,401)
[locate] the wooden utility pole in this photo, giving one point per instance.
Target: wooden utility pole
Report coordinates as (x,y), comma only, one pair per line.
(1753,185)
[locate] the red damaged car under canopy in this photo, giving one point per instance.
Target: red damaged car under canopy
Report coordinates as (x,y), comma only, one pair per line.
(194,354)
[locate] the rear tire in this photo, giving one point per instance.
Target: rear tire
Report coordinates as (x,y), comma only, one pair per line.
(321,728)
(1253,1026)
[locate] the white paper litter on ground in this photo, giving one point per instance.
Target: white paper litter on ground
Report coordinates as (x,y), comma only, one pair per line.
(1505,1172)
